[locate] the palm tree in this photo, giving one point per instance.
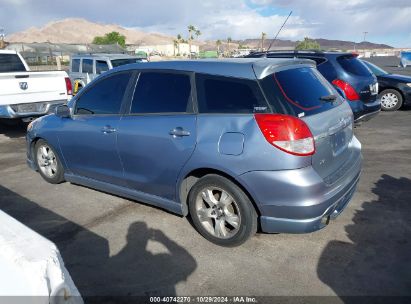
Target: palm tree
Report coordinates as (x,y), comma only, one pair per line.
(193,33)
(176,43)
(229,40)
(218,44)
(179,40)
(263,36)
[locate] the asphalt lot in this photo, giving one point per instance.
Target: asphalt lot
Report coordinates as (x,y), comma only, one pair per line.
(113,246)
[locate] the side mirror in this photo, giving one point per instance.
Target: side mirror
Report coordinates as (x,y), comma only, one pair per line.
(63,111)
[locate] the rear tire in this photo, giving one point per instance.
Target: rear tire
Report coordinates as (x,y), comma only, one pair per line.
(221,212)
(391,100)
(48,162)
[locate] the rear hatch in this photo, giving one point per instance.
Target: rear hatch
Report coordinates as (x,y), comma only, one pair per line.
(359,77)
(30,87)
(303,92)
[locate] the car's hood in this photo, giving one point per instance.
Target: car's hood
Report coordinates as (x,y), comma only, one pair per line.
(401,78)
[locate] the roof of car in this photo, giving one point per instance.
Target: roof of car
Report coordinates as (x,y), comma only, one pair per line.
(296,53)
(103,56)
(250,68)
(7,52)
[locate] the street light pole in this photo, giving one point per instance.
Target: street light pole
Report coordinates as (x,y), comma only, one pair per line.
(365,35)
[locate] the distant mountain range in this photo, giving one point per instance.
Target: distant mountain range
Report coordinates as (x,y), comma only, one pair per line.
(79,31)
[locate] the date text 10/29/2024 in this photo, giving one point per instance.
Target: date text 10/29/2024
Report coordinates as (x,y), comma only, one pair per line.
(205,299)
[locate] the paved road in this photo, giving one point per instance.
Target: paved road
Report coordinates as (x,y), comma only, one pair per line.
(114,246)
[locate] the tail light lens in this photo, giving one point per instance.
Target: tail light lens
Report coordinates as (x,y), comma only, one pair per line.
(287,133)
(69,87)
(349,91)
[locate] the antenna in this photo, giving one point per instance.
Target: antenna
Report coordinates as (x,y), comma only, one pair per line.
(275,38)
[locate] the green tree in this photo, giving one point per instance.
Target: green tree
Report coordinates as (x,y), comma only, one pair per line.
(218,43)
(111,38)
(307,44)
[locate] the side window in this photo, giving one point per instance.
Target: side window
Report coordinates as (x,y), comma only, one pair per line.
(158,92)
(101,66)
(75,65)
(105,96)
(87,66)
(229,95)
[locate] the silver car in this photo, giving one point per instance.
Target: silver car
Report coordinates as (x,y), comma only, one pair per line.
(84,68)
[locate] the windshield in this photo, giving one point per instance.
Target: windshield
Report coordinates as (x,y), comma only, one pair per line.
(376,70)
(118,62)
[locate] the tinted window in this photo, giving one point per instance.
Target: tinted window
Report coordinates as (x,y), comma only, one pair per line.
(162,93)
(87,66)
(11,63)
(75,65)
(101,66)
(229,95)
(353,65)
(299,91)
(376,70)
(104,97)
(118,62)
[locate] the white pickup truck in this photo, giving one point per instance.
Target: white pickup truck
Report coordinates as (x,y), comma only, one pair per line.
(26,95)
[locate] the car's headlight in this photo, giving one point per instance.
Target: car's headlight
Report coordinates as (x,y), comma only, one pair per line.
(408,84)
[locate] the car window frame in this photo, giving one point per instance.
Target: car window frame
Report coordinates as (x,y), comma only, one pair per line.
(92,66)
(126,98)
(79,65)
(95,66)
(193,94)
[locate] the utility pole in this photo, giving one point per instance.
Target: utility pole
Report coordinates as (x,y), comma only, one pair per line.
(365,35)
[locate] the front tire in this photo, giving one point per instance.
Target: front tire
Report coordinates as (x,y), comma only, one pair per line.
(391,100)
(221,211)
(48,162)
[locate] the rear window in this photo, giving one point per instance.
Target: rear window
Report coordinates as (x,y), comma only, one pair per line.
(229,95)
(75,65)
(353,65)
(87,66)
(299,92)
(11,63)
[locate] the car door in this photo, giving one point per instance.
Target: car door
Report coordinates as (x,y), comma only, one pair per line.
(88,139)
(158,135)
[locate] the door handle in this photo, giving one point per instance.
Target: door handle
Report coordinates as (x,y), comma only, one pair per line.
(108,129)
(179,132)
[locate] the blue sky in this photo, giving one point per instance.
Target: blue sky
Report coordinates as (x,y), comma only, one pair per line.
(386,21)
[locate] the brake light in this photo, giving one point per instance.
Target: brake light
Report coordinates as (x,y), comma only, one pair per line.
(287,133)
(69,87)
(349,91)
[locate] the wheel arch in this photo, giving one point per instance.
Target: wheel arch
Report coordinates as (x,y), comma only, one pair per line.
(382,89)
(186,183)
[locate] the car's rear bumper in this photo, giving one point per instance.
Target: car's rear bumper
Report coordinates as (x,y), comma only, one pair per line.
(365,111)
(38,109)
(300,201)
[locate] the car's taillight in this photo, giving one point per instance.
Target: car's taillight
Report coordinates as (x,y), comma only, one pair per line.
(69,87)
(349,91)
(287,133)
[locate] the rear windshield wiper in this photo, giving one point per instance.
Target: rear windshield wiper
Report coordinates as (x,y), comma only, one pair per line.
(328,98)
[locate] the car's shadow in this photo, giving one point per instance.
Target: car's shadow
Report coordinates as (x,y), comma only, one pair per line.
(13,129)
(134,271)
(376,259)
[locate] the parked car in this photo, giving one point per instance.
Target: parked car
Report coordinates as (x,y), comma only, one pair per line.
(231,143)
(25,95)
(84,68)
(345,71)
(394,90)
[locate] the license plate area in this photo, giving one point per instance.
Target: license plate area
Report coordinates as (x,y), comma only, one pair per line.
(31,108)
(338,142)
